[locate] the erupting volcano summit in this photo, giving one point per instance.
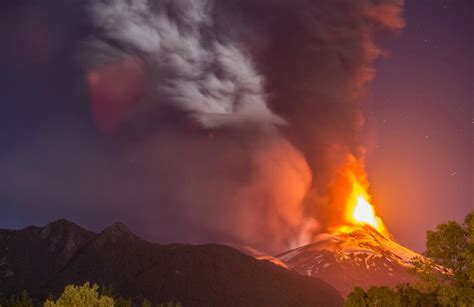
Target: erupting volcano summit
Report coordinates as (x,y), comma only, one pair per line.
(360,252)
(352,256)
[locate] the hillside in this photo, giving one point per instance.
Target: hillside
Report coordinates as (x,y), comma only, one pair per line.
(43,260)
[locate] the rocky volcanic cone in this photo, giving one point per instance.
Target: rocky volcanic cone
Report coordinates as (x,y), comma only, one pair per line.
(353,256)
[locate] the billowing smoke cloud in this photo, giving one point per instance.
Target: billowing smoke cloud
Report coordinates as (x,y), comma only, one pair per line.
(226,121)
(189,65)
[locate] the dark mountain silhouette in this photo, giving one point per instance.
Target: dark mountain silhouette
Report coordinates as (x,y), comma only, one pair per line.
(43,260)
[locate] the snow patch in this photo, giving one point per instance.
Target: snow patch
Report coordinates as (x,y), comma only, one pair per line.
(291,254)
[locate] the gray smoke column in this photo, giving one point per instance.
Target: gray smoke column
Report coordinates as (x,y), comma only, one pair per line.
(251,109)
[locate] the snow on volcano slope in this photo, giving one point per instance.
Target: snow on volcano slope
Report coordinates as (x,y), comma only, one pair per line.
(355,256)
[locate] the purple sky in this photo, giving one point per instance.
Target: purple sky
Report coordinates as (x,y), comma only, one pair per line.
(421,116)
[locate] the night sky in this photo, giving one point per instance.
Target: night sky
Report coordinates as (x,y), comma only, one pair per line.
(420,153)
(418,134)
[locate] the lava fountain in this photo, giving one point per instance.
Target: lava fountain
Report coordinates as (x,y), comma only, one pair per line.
(359,210)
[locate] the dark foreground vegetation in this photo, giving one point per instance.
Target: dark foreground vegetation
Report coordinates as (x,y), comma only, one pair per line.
(85,295)
(447,272)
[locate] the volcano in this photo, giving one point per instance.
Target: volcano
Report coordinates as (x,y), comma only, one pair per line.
(353,256)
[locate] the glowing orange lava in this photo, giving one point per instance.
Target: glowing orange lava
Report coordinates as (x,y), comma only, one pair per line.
(364,212)
(360,211)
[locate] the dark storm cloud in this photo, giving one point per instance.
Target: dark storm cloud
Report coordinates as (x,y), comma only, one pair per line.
(217,120)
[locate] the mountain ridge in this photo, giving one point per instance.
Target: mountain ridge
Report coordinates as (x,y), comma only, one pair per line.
(43,260)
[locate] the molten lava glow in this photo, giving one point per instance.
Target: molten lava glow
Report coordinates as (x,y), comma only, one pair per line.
(364,212)
(359,210)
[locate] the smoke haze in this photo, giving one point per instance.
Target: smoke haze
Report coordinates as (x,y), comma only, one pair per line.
(224,121)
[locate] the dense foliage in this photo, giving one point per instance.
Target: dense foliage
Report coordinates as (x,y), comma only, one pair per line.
(404,295)
(446,271)
(83,296)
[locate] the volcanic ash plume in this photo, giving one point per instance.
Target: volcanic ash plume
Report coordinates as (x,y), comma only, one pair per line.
(189,64)
(250,109)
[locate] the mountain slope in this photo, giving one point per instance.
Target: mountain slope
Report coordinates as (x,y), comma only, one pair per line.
(32,255)
(355,256)
(44,260)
